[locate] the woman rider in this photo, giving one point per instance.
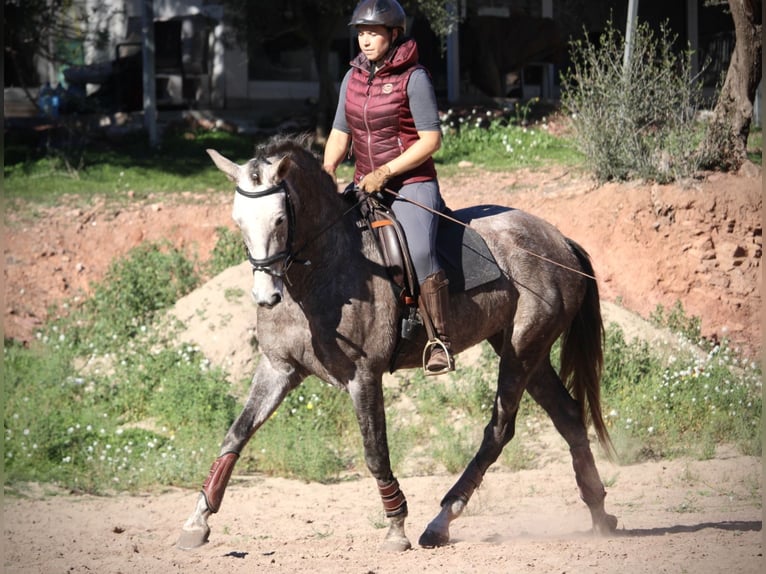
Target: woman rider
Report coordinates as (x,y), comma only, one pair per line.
(387,111)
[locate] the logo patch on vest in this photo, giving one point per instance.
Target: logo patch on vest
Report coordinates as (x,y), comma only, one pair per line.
(388,88)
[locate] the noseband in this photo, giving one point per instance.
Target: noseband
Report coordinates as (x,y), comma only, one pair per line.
(286,255)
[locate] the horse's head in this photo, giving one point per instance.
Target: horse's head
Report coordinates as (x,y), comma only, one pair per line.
(264,214)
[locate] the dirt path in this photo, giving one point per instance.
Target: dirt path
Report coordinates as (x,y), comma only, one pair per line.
(674,516)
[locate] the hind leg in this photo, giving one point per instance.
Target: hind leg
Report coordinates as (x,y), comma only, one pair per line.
(549,392)
(497,434)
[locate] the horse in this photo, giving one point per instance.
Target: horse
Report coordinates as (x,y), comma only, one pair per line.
(326,307)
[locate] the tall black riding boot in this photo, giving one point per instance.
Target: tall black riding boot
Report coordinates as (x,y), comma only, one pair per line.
(435,294)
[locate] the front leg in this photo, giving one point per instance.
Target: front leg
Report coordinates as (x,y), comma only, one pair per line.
(269,387)
(367,397)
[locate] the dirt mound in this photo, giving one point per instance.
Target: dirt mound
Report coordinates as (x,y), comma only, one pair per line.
(217,319)
(699,243)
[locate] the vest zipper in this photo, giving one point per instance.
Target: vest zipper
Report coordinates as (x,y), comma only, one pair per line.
(364,115)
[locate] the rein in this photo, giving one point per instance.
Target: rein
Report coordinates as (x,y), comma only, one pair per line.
(288,256)
(452,219)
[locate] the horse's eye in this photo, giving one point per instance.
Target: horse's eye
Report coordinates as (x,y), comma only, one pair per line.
(280,221)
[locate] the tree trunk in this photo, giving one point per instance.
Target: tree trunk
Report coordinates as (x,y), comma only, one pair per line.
(328,96)
(725,144)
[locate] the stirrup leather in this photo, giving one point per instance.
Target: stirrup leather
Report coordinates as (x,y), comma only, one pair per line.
(430,345)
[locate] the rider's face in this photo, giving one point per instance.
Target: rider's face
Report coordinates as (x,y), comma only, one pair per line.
(374,41)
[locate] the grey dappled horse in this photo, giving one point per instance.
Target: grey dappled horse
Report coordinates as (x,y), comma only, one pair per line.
(326,308)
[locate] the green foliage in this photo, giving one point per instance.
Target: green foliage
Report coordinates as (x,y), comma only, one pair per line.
(71,427)
(192,393)
(152,277)
(453,413)
(97,409)
(626,365)
(505,145)
(472,393)
(121,170)
(755,145)
(313,435)
(684,404)
(677,321)
(442,17)
(636,121)
(228,251)
(103,401)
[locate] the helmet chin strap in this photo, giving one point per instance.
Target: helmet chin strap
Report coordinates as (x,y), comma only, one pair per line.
(394,43)
(396,36)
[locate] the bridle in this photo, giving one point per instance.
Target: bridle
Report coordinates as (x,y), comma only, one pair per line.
(286,256)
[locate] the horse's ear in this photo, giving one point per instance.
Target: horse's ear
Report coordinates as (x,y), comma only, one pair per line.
(283,167)
(227,166)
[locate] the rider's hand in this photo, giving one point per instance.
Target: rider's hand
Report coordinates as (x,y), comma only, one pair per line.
(375,180)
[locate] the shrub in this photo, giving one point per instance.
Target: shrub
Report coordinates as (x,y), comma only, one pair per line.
(312,435)
(95,407)
(634,121)
(228,251)
(677,321)
(685,404)
(152,277)
(105,398)
(152,418)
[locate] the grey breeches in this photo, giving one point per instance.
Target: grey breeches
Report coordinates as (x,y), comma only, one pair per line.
(419,225)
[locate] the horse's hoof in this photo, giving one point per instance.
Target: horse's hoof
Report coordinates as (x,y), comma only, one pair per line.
(432,539)
(395,544)
(192,538)
(606,526)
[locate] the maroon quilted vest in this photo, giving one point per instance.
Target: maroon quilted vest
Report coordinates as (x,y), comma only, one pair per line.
(378,114)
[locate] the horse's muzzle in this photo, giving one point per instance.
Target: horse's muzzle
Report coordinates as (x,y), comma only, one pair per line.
(272,301)
(266,290)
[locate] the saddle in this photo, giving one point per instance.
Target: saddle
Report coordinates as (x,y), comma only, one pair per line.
(463,253)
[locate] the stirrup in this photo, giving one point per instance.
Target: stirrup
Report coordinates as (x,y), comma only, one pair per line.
(427,353)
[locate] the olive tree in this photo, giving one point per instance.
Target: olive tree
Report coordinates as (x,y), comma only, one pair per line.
(725,144)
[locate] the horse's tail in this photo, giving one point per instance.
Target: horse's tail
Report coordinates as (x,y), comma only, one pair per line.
(582,356)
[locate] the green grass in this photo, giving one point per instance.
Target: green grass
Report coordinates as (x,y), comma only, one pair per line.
(313,435)
(686,403)
(755,146)
(128,169)
(96,431)
(106,397)
(505,146)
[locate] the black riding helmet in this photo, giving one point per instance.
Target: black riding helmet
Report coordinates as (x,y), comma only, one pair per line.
(388,13)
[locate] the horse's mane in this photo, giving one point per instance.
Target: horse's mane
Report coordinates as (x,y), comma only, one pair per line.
(298,149)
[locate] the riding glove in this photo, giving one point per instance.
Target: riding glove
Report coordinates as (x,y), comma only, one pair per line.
(375,180)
